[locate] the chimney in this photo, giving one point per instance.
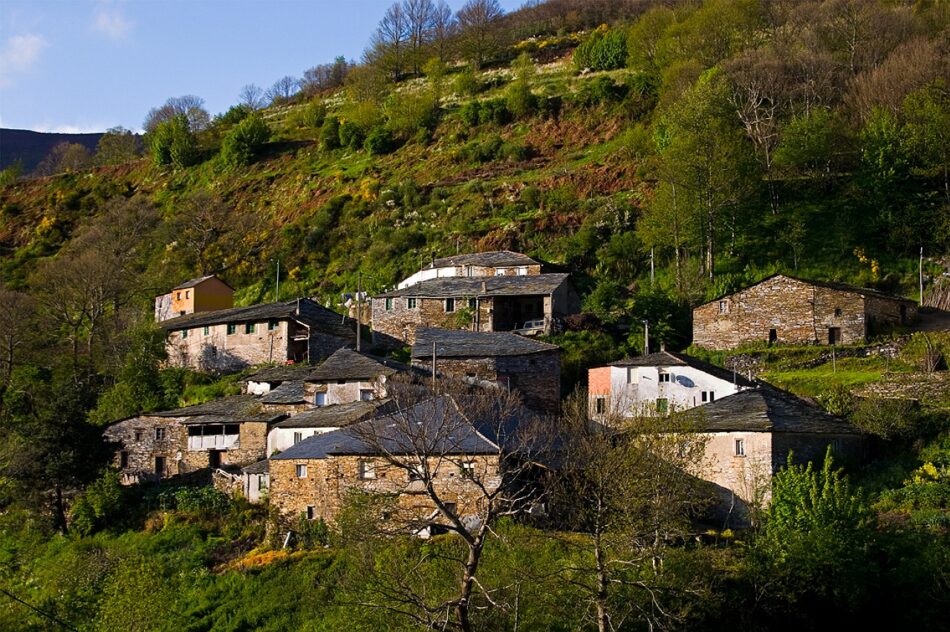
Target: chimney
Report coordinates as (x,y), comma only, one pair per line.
(662,346)
(484,287)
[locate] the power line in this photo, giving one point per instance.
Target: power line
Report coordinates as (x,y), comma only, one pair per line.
(38,611)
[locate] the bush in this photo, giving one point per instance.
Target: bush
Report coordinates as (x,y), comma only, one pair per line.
(243,143)
(100,505)
(379,141)
(330,133)
(234,115)
(603,50)
(173,144)
(495,111)
(466,83)
(351,135)
(470,113)
(311,534)
(314,114)
(887,418)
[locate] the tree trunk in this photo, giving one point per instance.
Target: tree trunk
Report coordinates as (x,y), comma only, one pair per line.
(468,583)
(59,512)
(603,618)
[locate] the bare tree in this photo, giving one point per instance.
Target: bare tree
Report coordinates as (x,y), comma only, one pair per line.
(17,312)
(626,484)
(389,46)
(443,29)
(118,146)
(478,37)
(283,89)
(325,76)
(420,16)
(471,456)
(64,157)
(251,96)
(189,105)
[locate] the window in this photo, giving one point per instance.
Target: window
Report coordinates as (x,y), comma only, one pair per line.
(664,376)
(320,399)
(500,271)
(137,435)
(473,303)
(367,395)
(389,304)
(705,396)
(631,375)
(232,328)
(187,293)
(467,469)
(301,470)
(712,396)
(123,459)
(159,434)
(773,335)
(723,307)
(834,335)
(600,405)
(367,470)
(298,437)
(184,334)
(310,512)
(271,325)
(662,405)
(260,484)
(449,305)
(411,302)
(249,328)
(740,447)
(452,508)
(177,296)
(206,331)
(837,312)
(160,465)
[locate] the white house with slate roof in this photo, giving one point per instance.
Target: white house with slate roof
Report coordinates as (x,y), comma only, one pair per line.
(300,426)
(479,264)
(658,383)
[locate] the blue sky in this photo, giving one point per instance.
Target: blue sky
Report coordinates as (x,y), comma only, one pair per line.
(87,65)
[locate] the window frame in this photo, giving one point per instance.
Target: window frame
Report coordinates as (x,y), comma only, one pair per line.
(662,405)
(448,304)
(159,434)
(388,303)
(231,329)
(600,405)
(250,328)
(467,470)
(739,447)
(366,470)
(412,302)
(665,377)
(300,470)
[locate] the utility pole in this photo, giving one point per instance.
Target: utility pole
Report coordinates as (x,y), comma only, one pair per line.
(920,276)
(434,391)
(359,311)
(651,267)
(646,337)
(277,284)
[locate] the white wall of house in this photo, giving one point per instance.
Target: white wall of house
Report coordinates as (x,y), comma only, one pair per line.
(258,388)
(643,389)
(255,486)
(283,438)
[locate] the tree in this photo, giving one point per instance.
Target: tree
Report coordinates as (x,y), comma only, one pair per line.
(283,89)
(443,29)
(48,449)
(429,438)
(927,132)
(389,44)
(420,17)
(520,100)
(243,143)
(17,316)
(325,76)
(172,143)
(251,96)
(190,106)
(118,146)
(64,157)
(627,486)
(478,36)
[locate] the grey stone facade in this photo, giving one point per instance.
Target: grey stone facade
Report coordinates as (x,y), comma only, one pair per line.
(783,309)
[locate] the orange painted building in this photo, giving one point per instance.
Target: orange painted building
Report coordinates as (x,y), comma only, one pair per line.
(204,294)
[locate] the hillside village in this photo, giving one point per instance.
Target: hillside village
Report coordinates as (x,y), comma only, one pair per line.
(614,315)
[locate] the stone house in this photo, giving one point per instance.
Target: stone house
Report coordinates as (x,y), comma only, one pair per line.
(314,477)
(498,303)
(479,264)
(784,309)
(656,384)
(500,359)
(230,431)
(204,294)
(750,436)
(314,421)
(300,330)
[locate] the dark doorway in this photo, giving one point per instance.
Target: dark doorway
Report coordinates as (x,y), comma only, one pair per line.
(903,314)
(834,335)
(160,466)
(773,336)
(214,459)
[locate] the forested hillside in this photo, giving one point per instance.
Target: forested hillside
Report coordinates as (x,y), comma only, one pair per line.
(663,152)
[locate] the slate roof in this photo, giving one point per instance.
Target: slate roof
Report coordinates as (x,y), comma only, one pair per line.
(347,364)
(310,313)
(233,409)
(669,358)
(333,416)
(193,282)
(768,409)
(291,392)
(281,373)
(437,418)
(454,343)
(487,259)
(831,285)
(528,285)
(261,467)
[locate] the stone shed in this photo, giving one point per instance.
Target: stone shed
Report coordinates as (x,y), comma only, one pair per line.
(500,303)
(750,436)
(500,359)
(300,330)
(783,309)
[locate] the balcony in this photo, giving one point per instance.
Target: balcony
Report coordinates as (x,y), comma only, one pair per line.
(214,437)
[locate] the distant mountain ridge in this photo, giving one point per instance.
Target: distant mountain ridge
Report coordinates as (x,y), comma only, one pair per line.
(31,147)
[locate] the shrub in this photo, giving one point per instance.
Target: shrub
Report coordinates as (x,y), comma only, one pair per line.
(379,141)
(330,133)
(470,113)
(243,143)
(466,83)
(603,50)
(311,534)
(887,418)
(495,111)
(351,135)
(99,505)
(234,115)
(173,144)
(314,114)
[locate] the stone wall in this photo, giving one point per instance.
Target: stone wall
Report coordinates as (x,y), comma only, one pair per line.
(401,321)
(327,481)
(219,351)
(536,376)
(884,314)
(798,312)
